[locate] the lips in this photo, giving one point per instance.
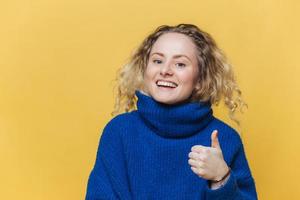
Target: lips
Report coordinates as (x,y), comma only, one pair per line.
(164,83)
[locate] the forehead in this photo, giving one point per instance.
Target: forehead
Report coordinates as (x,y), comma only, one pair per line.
(174,43)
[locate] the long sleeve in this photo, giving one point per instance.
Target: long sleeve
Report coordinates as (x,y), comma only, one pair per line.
(99,183)
(240,185)
(108,178)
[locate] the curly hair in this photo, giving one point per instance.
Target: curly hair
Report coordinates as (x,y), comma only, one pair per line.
(216,75)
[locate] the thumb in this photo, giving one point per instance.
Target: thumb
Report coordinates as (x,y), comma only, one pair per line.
(214,140)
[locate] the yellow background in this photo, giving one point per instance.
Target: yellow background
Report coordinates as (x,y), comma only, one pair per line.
(58,60)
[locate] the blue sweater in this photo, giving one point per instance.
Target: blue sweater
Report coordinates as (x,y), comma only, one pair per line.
(143,154)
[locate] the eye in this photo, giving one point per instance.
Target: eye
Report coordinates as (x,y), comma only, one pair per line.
(157,61)
(181,65)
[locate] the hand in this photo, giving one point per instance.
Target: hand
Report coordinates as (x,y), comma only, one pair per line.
(208,162)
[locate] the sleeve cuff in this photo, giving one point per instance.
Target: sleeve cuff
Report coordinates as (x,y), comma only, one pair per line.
(227,191)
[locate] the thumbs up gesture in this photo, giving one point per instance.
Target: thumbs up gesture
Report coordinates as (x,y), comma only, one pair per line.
(208,162)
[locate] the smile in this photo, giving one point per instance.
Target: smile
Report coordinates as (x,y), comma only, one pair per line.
(166,84)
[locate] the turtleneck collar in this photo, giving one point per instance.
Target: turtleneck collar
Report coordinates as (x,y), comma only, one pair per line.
(173,121)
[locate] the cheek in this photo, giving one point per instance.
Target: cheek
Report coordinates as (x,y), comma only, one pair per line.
(149,73)
(148,77)
(188,78)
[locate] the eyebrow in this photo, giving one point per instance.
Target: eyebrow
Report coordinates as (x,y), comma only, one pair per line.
(175,56)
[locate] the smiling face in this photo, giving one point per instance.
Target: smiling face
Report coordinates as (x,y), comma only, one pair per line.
(172,70)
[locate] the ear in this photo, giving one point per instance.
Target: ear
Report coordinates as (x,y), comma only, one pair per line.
(198,85)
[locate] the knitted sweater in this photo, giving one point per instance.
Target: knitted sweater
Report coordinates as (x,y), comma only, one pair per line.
(143,154)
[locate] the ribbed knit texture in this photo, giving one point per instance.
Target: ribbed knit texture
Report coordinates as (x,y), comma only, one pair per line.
(144,155)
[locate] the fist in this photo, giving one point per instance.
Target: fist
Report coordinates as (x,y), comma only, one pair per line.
(208,162)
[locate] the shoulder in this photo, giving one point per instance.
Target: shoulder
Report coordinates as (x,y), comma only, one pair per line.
(118,124)
(121,120)
(113,134)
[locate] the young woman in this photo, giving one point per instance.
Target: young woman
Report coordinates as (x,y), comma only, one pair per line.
(167,144)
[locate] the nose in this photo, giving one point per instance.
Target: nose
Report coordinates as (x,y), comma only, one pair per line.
(166,69)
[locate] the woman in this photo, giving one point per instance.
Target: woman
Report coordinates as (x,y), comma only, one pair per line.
(167,144)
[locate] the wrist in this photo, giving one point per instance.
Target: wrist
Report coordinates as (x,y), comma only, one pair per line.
(223,177)
(216,185)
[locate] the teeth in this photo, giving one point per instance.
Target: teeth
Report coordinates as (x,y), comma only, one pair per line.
(167,84)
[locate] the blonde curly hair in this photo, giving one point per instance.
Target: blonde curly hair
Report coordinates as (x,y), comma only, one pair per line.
(216,75)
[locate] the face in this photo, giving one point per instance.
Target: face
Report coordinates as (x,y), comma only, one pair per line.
(172,70)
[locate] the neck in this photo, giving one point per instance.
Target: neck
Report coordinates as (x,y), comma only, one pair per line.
(173,120)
